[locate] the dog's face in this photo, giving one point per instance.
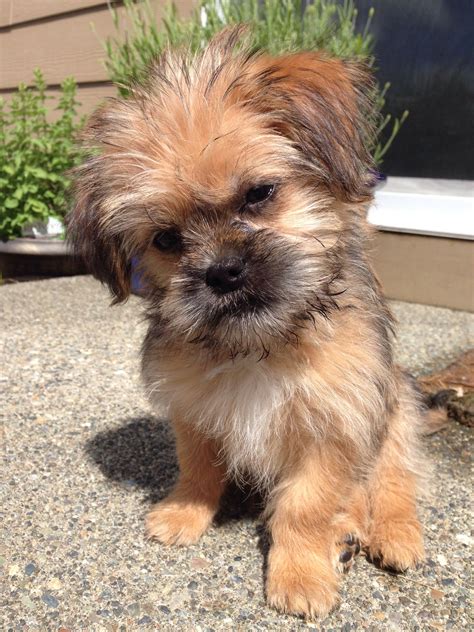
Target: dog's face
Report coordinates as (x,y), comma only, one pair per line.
(232,179)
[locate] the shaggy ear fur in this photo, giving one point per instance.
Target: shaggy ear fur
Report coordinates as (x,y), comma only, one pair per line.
(323,105)
(103,250)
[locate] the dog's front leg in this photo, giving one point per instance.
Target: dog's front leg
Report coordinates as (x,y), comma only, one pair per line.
(190,507)
(301,577)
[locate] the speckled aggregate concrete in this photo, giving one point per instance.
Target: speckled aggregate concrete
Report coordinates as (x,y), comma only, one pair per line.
(83,456)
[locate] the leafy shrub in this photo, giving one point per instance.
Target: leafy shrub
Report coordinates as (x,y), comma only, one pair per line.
(278,26)
(35,155)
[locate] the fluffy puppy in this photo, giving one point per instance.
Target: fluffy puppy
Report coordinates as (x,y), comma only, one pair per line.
(241,182)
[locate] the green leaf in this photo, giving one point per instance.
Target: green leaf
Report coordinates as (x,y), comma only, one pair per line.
(19,192)
(11,203)
(38,205)
(38,172)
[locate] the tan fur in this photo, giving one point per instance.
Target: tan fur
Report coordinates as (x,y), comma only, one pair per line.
(289,382)
(189,509)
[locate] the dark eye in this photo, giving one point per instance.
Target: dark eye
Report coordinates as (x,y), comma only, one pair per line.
(259,194)
(167,240)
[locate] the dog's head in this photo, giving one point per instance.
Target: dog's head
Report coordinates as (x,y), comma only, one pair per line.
(232,177)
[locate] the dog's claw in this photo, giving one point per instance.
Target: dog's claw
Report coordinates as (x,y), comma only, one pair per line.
(349,539)
(346,556)
(350,546)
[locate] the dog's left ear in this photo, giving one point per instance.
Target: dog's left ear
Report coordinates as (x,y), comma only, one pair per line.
(324,106)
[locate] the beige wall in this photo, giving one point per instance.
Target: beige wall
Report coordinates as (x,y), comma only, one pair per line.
(423,269)
(58,37)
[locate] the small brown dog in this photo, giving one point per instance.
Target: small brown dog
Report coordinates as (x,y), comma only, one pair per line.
(242,181)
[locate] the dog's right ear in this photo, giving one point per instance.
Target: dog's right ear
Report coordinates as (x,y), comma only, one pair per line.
(90,224)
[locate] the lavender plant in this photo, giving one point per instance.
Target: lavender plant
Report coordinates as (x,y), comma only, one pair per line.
(278,26)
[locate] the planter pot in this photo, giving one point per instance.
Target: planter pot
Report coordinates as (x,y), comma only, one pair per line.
(25,258)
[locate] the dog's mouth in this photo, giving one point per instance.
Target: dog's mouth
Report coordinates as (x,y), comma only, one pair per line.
(240,304)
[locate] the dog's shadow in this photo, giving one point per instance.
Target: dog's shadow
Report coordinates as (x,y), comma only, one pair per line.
(141,453)
(138,453)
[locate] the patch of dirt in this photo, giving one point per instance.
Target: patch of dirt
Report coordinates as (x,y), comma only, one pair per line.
(452,390)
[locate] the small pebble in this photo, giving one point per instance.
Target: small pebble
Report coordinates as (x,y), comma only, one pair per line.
(133,609)
(50,600)
(199,563)
(146,620)
(54,584)
(442,560)
(27,602)
(448,581)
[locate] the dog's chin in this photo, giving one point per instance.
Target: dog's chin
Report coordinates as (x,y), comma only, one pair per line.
(226,343)
(245,325)
(236,327)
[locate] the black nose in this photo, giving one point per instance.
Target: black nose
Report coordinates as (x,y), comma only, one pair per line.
(226,275)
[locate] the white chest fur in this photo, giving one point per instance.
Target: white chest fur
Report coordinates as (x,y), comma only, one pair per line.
(243,404)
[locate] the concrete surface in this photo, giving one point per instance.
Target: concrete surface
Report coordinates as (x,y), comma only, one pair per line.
(83,456)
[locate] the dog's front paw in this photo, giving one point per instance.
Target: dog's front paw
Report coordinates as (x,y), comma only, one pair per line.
(302,585)
(172,522)
(397,545)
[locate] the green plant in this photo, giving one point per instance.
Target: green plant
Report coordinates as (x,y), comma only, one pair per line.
(277,26)
(35,155)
